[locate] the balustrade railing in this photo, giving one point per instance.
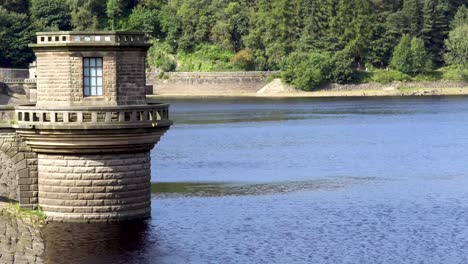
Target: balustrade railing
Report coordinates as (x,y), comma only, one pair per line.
(90,37)
(7,116)
(151,115)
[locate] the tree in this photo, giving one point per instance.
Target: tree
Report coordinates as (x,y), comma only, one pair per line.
(343,67)
(412,17)
(18,6)
(82,17)
(244,60)
(421,61)
(401,59)
(411,57)
(50,14)
(16,34)
(113,10)
(143,19)
(460,18)
(306,71)
(435,28)
(457,47)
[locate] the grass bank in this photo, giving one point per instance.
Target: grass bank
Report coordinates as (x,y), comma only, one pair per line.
(13,210)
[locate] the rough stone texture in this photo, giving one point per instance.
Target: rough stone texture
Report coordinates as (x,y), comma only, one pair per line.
(8,178)
(102,187)
(54,84)
(11,73)
(20,241)
(220,83)
(22,176)
(131,78)
(60,78)
(22,90)
(394,85)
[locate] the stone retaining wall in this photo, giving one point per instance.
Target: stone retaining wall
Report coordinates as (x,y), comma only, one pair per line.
(95,187)
(208,82)
(11,73)
(18,179)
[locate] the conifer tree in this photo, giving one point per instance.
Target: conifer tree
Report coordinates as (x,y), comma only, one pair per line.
(412,17)
(401,59)
(421,61)
(457,47)
(435,27)
(460,18)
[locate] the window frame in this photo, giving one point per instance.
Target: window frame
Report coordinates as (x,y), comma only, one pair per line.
(93,76)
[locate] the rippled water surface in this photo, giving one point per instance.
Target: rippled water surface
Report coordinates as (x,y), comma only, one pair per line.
(296,181)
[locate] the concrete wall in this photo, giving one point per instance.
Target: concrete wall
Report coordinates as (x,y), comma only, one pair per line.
(11,73)
(186,83)
(94,187)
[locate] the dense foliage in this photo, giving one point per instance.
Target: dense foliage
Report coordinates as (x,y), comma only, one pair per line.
(410,36)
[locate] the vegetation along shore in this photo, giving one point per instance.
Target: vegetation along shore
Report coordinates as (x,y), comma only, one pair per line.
(312,43)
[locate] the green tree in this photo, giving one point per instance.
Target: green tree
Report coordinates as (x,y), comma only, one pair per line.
(412,16)
(421,61)
(343,67)
(435,28)
(244,59)
(307,71)
(16,34)
(50,14)
(113,10)
(18,6)
(461,17)
(457,47)
(82,17)
(143,19)
(401,59)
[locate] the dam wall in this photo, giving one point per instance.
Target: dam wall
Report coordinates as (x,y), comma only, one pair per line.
(208,82)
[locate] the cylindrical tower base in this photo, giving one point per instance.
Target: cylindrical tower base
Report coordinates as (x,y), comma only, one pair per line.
(95,188)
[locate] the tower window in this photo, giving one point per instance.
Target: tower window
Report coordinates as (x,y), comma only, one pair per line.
(92,76)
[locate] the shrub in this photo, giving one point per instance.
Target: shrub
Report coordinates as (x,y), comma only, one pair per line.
(454,73)
(244,60)
(207,58)
(343,68)
(160,58)
(384,76)
(307,70)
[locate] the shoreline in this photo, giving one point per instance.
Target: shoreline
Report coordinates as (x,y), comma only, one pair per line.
(396,92)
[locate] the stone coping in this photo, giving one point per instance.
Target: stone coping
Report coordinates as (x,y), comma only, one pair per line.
(92,38)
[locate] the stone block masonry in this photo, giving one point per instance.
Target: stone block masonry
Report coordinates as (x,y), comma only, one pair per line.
(101,187)
(208,83)
(83,156)
(18,179)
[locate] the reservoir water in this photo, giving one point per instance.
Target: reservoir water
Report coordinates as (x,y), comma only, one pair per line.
(296,181)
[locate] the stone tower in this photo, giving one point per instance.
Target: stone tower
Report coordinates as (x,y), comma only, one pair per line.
(91,129)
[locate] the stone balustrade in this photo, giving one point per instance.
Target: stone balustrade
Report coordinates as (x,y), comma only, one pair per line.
(85,117)
(19,80)
(7,116)
(94,38)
